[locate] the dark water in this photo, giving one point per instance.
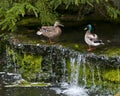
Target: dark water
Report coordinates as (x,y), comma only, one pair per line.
(27,92)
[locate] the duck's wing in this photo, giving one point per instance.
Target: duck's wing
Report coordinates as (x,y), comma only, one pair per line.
(94,40)
(46,31)
(92,37)
(48,28)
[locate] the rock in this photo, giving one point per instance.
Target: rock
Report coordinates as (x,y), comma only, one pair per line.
(8,78)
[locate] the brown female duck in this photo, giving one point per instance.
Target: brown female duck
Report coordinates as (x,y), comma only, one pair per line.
(51,32)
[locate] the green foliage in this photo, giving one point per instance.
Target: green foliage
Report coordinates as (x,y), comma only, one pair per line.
(56,3)
(45,11)
(104,7)
(112,12)
(11,16)
(111,75)
(12,11)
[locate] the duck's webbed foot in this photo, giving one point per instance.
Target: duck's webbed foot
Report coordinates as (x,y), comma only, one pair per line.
(90,48)
(51,41)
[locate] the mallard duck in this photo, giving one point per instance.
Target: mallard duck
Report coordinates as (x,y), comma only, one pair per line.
(51,32)
(91,39)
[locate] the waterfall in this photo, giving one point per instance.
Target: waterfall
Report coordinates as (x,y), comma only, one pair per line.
(74,72)
(74,88)
(75,67)
(64,70)
(92,73)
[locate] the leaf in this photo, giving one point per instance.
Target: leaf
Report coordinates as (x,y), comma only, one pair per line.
(90,4)
(4,27)
(97,1)
(76,2)
(112,12)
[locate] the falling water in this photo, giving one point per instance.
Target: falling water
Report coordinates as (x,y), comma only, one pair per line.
(84,74)
(64,70)
(98,71)
(74,72)
(92,73)
(14,63)
(13,58)
(73,88)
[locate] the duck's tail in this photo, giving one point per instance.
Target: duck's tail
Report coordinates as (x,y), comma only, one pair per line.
(100,42)
(39,32)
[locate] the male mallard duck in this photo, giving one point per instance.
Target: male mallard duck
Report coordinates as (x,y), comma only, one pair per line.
(51,32)
(91,39)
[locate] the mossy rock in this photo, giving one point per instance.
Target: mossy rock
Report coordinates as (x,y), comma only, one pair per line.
(110,75)
(24,83)
(112,51)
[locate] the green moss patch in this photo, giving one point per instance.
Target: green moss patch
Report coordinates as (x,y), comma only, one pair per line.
(112,75)
(112,51)
(23,83)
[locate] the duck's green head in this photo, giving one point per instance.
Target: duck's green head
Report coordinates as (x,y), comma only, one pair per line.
(89,27)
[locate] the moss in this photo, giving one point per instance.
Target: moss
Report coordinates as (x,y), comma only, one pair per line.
(30,66)
(75,46)
(112,51)
(24,83)
(111,75)
(68,68)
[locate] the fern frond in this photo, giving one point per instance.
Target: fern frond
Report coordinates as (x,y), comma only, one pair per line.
(30,8)
(46,14)
(56,3)
(112,12)
(11,16)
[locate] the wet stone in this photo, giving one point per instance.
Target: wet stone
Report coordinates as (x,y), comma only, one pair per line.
(8,78)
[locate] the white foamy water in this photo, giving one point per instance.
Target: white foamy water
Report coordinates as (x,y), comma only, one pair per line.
(75,91)
(69,90)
